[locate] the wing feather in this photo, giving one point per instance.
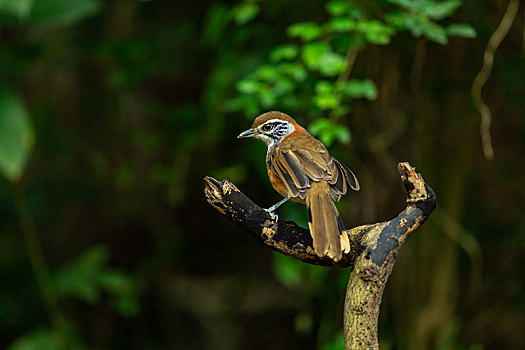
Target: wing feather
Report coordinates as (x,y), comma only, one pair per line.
(300,168)
(287,180)
(290,163)
(349,175)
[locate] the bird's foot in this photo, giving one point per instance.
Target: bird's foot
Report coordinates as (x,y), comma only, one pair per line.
(274,216)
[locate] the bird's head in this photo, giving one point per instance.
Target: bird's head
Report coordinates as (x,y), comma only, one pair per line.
(271,128)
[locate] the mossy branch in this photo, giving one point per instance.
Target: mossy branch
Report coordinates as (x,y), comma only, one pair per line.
(373,250)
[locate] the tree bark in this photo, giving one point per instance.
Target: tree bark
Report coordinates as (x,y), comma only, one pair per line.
(373,252)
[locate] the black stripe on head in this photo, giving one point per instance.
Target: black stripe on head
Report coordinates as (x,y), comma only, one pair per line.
(278,131)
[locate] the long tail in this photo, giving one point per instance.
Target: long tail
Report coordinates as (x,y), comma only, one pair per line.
(326,226)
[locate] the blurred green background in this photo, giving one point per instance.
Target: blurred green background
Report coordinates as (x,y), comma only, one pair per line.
(112,112)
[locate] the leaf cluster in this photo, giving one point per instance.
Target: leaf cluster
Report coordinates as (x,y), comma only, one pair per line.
(309,74)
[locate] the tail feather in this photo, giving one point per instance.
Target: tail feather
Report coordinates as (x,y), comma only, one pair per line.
(316,223)
(325,223)
(345,242)
(331,228)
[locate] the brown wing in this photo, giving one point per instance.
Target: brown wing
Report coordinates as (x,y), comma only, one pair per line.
(299,168)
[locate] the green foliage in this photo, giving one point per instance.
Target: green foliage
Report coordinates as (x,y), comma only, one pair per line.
(359,88)
(325,97)
(420,16)
(17,8)
(338,343)
(307,31)
(461,30)
(88,276)
(216,22)
(284,52)
(235,173)
(375,32)
(436,10)
(337,8)
(16,135)
(323,57)
(328,132)
(133,106)
(50,12)
(245,12)
(287,271)
(37,340)
(62,12)
(294,274)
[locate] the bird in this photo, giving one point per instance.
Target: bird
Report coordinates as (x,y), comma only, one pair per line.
(301,170)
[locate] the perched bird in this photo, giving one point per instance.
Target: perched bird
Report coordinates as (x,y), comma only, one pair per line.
(301,170)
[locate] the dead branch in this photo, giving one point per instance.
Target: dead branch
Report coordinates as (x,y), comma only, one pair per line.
(373,251)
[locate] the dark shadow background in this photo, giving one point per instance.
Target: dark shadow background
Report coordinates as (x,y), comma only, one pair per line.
(128,105)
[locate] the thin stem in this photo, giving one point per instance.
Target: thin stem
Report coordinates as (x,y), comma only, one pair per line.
(481,78)
(39,265)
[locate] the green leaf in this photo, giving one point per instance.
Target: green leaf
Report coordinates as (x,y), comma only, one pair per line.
(62,12)
(328,132)
(359,88)
(248,86)
(338,8)
(376,32)
(439,10)
(420,26)
(18,8)
(87,276)
(325,97)
(245,12)
(36,340)
(216,22)
(116,282)
(126,306)
(312,53)
(306,31)
(268,73)
(247,103)
(293,70)
(461,30)
(284,52)
(267,97)
(283,86)
(435,33)
(398,19)
(326,101)
(324,87)
(80,278)
(331,64)
(16,135)
(341,25)
(409,4)
(436,10)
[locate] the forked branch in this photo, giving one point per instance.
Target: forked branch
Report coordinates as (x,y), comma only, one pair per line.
(374,247)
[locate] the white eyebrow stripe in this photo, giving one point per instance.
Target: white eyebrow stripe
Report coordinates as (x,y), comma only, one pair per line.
(275,120)
(291,128)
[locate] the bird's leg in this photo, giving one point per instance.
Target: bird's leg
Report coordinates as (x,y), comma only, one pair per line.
(274,207)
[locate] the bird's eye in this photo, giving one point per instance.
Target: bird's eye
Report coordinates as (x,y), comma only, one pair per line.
(267,127)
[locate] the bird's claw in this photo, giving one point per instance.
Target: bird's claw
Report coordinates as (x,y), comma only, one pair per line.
(274,216)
